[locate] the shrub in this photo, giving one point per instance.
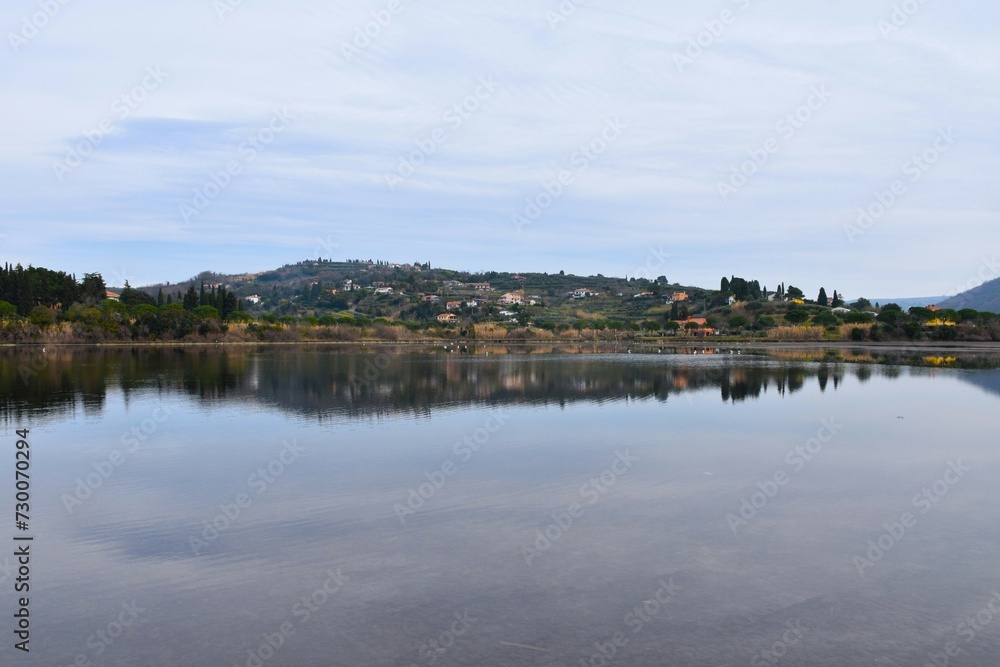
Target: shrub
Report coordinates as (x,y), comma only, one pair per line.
(42,317)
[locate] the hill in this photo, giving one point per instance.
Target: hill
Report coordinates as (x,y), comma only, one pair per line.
(986,297)
(417,292)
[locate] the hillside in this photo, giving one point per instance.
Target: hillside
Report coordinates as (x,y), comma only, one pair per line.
(415,292)
(376,300)
(986,297)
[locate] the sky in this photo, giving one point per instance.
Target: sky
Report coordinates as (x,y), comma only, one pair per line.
(848,145)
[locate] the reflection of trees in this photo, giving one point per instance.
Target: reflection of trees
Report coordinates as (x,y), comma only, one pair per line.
(355,382)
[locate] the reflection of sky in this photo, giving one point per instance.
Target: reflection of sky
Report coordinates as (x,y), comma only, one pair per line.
(698,456)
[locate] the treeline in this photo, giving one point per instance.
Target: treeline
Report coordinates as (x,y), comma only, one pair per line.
(26,288)
(751,290)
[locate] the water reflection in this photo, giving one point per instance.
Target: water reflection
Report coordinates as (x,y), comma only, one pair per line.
(358,382)
(702,430)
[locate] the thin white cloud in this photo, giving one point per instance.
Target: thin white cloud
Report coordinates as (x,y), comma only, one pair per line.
(355,119)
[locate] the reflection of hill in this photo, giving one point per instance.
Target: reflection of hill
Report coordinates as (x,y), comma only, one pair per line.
(326,381)
(988,381)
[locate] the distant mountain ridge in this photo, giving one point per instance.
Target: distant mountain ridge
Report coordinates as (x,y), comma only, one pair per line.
(910,302)
(986,297)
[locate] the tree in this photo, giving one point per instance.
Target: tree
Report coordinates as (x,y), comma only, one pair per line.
(159,297)
(42,317)
(207,312)
(672,326)
(796,315)
(739,322)
(858,318)
(822,299)
(191,299)
(890,316)
(838,301)
(794,292)
(93,290)
(134,297)
(7,310)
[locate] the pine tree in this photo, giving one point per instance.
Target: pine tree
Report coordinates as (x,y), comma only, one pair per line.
(191,298)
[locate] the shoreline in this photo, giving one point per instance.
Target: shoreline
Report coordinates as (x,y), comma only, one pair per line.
(958,346)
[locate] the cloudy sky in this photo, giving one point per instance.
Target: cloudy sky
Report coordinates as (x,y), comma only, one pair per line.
(152,141)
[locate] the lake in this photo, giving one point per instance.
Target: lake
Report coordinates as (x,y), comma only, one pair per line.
(398,506)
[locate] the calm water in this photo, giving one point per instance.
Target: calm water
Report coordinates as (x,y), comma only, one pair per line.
(432,508)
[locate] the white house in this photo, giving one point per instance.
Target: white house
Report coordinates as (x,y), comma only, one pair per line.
(255,299)
(512,299)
